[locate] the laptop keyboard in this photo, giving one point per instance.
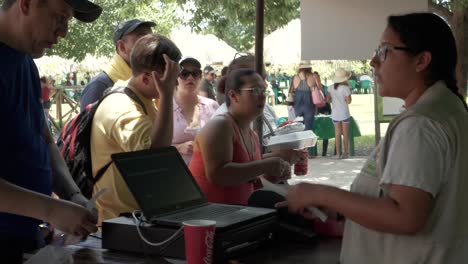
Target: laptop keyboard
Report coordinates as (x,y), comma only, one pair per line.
(212,211)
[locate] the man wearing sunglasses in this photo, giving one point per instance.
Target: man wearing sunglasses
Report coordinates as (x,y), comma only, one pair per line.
(123,123)
(206,87)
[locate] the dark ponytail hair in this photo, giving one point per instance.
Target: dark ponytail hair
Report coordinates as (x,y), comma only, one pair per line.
(428,32)
(246,61)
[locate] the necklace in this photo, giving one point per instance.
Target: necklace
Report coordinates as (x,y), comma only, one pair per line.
(250,153)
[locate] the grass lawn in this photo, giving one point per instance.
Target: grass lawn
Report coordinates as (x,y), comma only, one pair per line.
(362,109)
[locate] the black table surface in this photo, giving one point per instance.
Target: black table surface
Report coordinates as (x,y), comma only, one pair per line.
(321,251)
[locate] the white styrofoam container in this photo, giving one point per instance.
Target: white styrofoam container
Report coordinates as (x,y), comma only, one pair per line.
(296,140)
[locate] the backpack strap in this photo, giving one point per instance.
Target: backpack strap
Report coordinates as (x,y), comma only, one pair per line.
(136,99)
(100,173)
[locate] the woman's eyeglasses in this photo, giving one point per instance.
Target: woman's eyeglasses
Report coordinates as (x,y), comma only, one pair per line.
(256,91)
(184,74)
(381,51)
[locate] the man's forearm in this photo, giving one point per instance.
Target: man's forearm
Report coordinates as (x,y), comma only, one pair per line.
(163,127)
(64,186)
(20,201)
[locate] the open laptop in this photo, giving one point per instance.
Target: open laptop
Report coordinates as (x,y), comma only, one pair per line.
(168,194)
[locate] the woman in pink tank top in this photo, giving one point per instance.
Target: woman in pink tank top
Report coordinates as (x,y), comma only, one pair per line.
(227,160)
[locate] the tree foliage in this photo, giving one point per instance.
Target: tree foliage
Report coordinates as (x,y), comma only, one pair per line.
(455,12)
(96,38)
(234,21)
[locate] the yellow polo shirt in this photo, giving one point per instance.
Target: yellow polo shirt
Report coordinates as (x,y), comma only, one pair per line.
(119,125)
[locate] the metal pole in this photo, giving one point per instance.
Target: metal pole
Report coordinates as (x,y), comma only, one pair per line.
(376,113)
(259,32)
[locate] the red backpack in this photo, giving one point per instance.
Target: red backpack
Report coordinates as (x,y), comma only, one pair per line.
(74,143)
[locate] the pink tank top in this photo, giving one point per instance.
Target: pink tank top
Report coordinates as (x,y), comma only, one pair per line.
(238,194)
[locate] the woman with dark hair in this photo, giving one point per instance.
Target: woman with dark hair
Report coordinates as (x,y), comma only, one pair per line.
(408,203)
(227,158)
(247,61)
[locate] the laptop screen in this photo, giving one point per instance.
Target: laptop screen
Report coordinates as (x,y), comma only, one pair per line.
(159,180)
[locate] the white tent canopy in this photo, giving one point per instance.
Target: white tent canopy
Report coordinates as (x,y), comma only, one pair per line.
(208,49)
(283,46)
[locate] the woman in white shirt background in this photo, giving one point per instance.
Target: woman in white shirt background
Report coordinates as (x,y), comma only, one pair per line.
(339,95)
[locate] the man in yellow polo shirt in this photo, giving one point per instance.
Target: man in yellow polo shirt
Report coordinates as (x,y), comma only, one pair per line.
(121,124)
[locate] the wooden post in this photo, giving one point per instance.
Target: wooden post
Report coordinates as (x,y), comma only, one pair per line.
(58,102)
(259,31)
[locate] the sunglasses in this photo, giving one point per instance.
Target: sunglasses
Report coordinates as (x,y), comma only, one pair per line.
(240,55)
(381,51)
(184,74)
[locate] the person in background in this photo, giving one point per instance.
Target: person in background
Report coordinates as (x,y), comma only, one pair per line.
(206,86)
(408,203)
(326,110)
(191,111)
(270,93)
(227,158)
(219,93)
(339,95)
(32,167)
(124,124)
(45,95)
(125,35)
(302,85)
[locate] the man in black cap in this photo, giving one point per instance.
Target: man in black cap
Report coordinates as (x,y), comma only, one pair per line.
(125,35)
(206,87)
(32,166)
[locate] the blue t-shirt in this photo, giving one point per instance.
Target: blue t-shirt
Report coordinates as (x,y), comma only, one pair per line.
(95,90)
(24,155)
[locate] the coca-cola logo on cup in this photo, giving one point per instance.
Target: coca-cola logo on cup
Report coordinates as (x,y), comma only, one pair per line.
(209,239)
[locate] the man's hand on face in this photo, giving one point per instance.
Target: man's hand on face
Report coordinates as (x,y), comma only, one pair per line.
(166,84)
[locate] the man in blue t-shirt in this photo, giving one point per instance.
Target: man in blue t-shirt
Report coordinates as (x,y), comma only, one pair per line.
(31,164)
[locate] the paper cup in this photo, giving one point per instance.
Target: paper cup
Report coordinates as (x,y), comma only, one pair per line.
(199,239)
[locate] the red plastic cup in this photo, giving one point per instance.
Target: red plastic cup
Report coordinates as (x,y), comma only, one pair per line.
(199,238)
(301,167)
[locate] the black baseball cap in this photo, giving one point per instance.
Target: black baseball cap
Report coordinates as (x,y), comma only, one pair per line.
(126,27)
(190,60)
(84,10)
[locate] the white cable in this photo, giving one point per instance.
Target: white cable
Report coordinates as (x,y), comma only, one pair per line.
(147,241)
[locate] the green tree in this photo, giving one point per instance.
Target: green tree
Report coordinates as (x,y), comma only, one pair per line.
(96,38)
(234,21)
(455,13)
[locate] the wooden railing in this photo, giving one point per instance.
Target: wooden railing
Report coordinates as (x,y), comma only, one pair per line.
(66,104)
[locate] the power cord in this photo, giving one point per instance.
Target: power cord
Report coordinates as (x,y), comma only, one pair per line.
(139,222)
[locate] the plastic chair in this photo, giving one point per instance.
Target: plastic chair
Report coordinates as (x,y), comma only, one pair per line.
(352,85)
(285,79)
(366,86)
